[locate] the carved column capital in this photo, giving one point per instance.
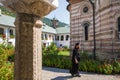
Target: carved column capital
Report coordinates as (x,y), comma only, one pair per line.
(29,19)
(38,23)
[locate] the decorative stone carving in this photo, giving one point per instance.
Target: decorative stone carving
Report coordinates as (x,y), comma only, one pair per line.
(36,7)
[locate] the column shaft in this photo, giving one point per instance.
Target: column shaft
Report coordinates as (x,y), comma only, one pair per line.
(28,58)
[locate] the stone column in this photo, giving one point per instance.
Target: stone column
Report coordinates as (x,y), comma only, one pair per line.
(28,47)
(7,34)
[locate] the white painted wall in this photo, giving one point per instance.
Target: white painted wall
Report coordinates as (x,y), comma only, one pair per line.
(7,34)
(49,39)
(12,41)
(64,42)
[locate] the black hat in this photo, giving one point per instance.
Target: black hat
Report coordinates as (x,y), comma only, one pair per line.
(77,44)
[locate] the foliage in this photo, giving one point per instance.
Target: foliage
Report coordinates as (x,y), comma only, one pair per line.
(0,35)
(12,36)
(49,23)
(86,63)
(65,48)
(54,58)
(9,46)
(52,49)
(107,68)
(6,11)
(11,58)
(85,55)
(58,61)
(65,53)
(116,67)
(45,20)
(6,67)
(6,72)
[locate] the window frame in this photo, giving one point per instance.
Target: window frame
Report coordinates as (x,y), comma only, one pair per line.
(86,26)
(67,37)
(86,7)
(118,25)
(11,31)
(62,37)
(2,29)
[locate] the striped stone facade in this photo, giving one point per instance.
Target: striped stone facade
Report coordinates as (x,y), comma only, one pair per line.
(107,13)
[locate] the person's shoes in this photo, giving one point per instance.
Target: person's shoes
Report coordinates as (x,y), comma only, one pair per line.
(74,75)
(78,75)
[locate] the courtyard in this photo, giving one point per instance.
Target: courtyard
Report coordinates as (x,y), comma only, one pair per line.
(62,74)
(31,56)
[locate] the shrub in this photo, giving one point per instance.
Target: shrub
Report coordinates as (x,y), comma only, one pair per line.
(89,65)
(6,68)
(96,66)
(65,48)
(11,57)
(116,67)
(12,36)
(6,72)
(52,49)
(107,68)
(9,46)
(58,61)
(44,49)
(83,66)
(86,64)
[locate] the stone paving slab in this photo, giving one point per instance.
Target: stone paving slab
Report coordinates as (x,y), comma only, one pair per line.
(61,74)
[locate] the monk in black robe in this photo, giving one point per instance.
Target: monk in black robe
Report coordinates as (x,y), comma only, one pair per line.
(75,61)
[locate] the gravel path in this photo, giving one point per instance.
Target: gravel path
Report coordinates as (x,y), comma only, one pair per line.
(61,74)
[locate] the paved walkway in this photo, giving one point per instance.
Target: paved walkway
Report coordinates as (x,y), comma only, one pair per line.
(61,74)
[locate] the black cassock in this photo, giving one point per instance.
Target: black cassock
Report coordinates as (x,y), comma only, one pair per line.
(75,66)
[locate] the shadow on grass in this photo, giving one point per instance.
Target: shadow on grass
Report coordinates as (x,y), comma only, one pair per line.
(62,78)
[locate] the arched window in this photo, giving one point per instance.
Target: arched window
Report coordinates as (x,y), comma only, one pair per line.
(57,38)
(62,38)
(1,31)
(11,32)
(119,27)
(67,37)
(53,37)
(42,36)
(86,25)
(50,37)
(46,37)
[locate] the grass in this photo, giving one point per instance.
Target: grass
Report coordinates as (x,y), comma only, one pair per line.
(65,53)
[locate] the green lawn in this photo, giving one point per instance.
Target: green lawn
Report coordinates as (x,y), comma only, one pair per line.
(65,53)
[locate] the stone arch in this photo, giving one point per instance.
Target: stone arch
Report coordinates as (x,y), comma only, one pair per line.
(88,22)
